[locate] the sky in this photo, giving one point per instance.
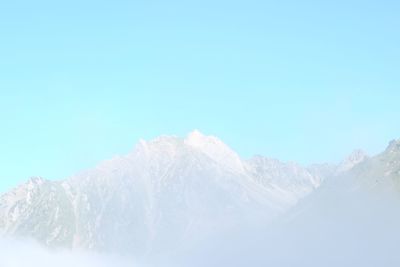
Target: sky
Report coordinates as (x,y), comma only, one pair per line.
(305,81)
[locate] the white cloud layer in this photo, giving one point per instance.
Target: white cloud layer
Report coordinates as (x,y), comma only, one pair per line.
(19,253)
(344,230)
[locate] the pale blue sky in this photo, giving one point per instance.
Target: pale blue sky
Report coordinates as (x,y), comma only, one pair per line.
(81,81)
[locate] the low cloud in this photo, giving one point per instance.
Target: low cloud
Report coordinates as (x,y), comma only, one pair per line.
(337,229)
(24,253)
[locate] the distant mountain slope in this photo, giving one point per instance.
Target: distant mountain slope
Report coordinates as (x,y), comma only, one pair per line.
(352,219)
(381,172)
(370,187)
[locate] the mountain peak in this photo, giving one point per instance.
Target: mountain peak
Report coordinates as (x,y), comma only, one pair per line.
(195,134)
(36,180)
(215,149)
(198,139)
(394,146)
(162,145)
(356,157)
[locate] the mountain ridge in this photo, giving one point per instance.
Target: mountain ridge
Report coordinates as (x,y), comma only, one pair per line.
(166,192)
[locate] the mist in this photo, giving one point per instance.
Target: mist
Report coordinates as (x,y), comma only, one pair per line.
(331,228)
(23,252)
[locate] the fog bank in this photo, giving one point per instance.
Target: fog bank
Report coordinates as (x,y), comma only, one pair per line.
(24,253)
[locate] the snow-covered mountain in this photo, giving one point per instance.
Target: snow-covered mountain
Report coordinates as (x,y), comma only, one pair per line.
(166,192)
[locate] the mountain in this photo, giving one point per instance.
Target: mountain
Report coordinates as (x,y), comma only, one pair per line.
(351,219)
(369,189)
(356,157)
(167,192)
(381,172)
(374,175)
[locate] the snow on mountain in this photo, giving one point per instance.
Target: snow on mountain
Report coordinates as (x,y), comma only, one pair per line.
(167,192)
(289,180)
(39,209)
(216,150)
